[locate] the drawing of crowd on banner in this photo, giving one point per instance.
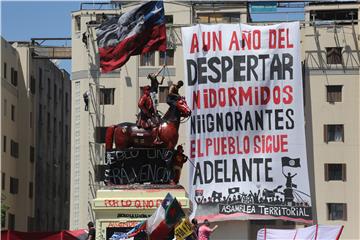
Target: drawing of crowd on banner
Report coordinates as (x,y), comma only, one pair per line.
(247,135)
(289,200)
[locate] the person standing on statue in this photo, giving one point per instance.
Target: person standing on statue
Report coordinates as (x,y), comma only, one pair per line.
(154,88)
(174,95)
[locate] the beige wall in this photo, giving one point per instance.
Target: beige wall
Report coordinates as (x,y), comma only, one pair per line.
(30,212)
(18,130)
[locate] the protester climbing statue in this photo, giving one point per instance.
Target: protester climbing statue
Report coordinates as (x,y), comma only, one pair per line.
(154,87)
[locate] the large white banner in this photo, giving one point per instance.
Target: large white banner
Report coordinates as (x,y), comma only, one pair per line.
(247,136)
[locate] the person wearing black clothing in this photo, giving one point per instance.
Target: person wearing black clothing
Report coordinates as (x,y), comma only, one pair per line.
(86,100)
(154,86)
(91,235)
(195,226)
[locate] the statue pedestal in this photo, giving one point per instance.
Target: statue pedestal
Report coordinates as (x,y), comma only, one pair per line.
(120,208)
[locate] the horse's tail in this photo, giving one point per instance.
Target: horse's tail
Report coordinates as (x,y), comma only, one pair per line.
(109,137)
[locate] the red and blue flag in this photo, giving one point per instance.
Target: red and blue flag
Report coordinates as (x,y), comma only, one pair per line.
(138,31)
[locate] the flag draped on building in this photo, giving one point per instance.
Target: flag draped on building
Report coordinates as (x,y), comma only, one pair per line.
(138,31)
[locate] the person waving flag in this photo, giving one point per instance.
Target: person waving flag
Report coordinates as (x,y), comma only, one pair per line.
(138,31)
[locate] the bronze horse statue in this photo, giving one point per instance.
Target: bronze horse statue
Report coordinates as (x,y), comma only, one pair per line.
(128,135)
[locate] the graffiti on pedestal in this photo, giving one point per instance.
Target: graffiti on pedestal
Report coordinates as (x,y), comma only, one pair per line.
(138,166)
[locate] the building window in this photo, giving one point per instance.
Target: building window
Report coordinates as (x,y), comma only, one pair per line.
(14,77)
(167,57)
(5,107)
(3,219)
(40,80)
(334,133)
(4,143)
(14,149)
(218,17)
(31,190)
(40,114)
(334,93)
(163,92)
(337,211)
(147,59)
(12,112)
(66,102)
(32,154)
(48,123)
(3,178)
(30,224)
(49,89)
(169,19)
(14,185)
(77,23)
(32,84)
(336,14)
(5,69)
(31,120)
(335,172)
(333,55)
(11,221)
(107,96)
(55,94)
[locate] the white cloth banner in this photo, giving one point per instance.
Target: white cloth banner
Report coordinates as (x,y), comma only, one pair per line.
(247,136)
(316,232)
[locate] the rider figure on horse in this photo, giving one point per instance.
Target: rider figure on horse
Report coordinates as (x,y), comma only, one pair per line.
(147,118)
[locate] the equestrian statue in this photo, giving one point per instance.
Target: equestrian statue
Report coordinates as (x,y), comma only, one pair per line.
(151,130)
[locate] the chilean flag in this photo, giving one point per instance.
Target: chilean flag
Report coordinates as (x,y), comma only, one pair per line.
(160,226)
(138,31)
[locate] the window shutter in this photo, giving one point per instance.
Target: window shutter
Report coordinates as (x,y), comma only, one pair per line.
(344,211)
(344,172)
(326,133)
(343,133)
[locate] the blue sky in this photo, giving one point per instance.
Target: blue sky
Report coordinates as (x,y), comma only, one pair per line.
(22,20)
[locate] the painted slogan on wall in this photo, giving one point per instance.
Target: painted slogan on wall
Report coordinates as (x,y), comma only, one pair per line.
(247,136)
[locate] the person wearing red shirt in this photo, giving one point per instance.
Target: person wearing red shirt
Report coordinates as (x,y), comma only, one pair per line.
(205,230)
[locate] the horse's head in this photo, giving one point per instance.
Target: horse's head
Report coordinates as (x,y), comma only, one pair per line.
(182,107)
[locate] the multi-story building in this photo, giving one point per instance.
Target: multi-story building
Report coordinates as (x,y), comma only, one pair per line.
(113,99)
(331,77)
(35,127)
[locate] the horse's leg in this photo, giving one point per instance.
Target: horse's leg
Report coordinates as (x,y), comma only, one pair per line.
(109,137)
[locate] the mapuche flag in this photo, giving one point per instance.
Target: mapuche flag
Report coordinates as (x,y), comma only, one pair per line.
(290,162)
(138,31)
(162,222)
